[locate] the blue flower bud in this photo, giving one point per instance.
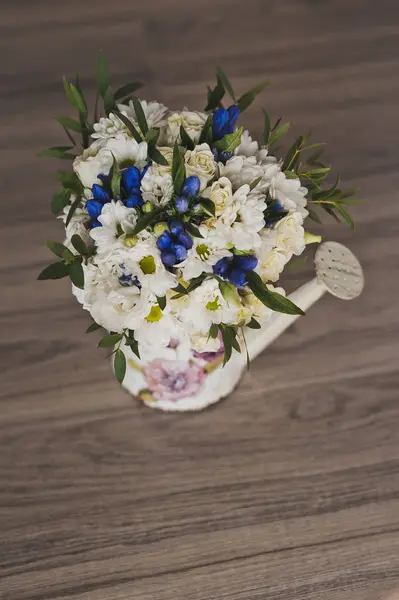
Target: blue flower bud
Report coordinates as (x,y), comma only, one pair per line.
(130,178)
(222,266)
(175,226)
(223,157)
(185,239)
(100,193)
(233,112)
(181,204)
(164,241)
(219,121)
(278,206)
(191,187)
(134,200)
(95,223)
(145,169)
(168,259)
(94,208)
(246,262)
(180,252)
(238,278)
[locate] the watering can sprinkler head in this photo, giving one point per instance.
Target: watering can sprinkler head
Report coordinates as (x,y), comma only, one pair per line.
(339,271)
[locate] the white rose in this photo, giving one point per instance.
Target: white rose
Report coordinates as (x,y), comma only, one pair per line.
(290,234)
(193,123)
(163,169)
(221,194)
(272,263)
(243,170)
(200,162)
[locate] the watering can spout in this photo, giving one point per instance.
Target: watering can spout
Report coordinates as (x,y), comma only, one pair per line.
(337,271)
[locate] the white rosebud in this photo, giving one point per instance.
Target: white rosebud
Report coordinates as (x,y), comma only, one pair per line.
(193,123)
(200,162)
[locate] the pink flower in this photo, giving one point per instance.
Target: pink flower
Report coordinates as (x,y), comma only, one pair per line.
(173,379)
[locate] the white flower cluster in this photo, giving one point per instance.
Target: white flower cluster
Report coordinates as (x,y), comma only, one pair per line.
(255,226)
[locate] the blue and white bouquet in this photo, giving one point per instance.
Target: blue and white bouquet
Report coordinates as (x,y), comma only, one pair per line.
(178,221)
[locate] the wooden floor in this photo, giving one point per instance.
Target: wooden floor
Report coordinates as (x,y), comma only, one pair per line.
(288,490)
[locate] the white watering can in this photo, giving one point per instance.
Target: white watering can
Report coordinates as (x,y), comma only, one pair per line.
(178,379)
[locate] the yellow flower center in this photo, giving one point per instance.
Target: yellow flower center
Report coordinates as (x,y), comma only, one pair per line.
(203,251)
(147,265)
(213,305)
(154,315)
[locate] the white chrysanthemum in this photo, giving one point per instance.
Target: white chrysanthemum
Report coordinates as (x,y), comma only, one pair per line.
(108,127)
(155,113)
(206,305)
(192,121)
(116,219)
(243,170)
(157,325)
(204,254)
(248,146)
(201,162)
(157,188)
(289,192)
(99,157)
(221,194)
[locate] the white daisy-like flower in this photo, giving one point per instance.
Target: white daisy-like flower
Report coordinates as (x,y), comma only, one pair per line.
(271,261)
(288,234)
(204,254)
(289,192)
(248,146)
(157,325)
(116,219)
(192,121)
(205,306)
(99,157)
(108,127)
(78,225)
(155,113)
(156,187)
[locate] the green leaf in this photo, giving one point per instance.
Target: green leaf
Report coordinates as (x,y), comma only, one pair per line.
(155,155)
(272,300)
(54,271)
(193,230)
(247,99)
(253,324)
(132,343)
(75,272)
(57,153)
(59,250)
(254,183)
(345,215)
(126,90)
(278,133)
(70,181)
(215,96)
(225,82)
(102,74)
(74,206)
(79,245)
(147,219)
(161,301)
(206,133)
(127,122)
(293,155)
(176,160)
(230,293)
(266,128)
(185,139)
(93,327)
(109,101)
(119,365)
(227,343)
(115,180)
(78,100)
(68,92)
(180,178)
(230,141)
(140,116)
(69,123)
(180,289)
(313,215)
(109,341)
(59,201)
(213,331)
(208,205)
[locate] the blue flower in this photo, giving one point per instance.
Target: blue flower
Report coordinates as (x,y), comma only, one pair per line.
(168,258)
(181,204)
(224,121)
(164,241)
(248,262)
(221,155)
(94,208)
(179,251)
(191,187)
(237,277)
(185,239)
(175,226)
(100,193)
(222,266)
(131,179)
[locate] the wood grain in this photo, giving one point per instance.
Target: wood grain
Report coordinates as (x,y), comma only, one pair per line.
(289,489)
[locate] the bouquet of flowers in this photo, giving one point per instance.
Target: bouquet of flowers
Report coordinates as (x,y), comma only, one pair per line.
(179,222)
